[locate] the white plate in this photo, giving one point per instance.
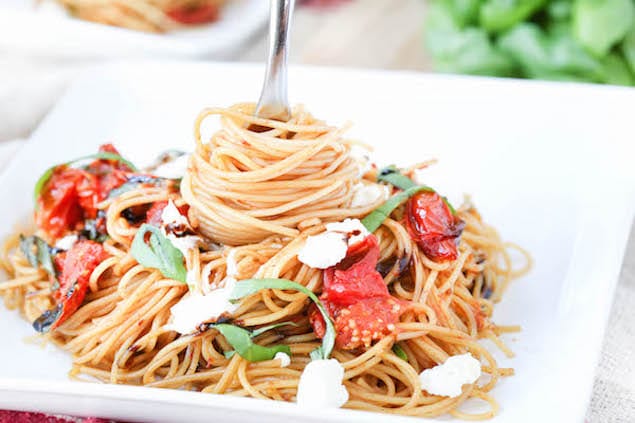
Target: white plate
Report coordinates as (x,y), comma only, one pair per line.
(49,31)
(549,164)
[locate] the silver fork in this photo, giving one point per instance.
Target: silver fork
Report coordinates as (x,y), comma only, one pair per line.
(274,101)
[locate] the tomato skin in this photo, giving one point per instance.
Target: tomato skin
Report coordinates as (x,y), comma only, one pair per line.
(357,299)
(58,207)
(433,227)
(75,270)
(153,215)
(75,267)
(200,14)
(72,195)
(355,278)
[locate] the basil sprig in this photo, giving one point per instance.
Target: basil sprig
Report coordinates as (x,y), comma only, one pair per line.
(159,253)
(393,176)
(252,286)
(399,352)
(241,340)
(38,253)
(39,185)
(381,213)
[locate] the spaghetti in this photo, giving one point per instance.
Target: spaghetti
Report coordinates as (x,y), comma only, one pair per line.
(145,15)
(254,198)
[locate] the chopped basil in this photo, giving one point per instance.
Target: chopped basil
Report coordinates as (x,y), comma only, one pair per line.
(393,176)
(241,340)
(252,286)
(381,213)
(159,253)
(39,185)
(399,352)
(38,253)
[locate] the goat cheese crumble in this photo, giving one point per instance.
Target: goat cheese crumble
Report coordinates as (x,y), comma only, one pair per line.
(194,309)
(172,216)
(284,358)
(366,194)
(67,242)
(329,248)
(321,385)
(447,379)
(174,169)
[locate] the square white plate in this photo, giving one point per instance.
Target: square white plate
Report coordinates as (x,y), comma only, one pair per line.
(549,164)
(49,31)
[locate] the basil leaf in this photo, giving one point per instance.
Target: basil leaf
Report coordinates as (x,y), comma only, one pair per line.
(241,340)
(393,176)
(262,330)
(399,352)
(252,286)
(501,15)
(44,256)
(160,254)
(600,24)
(26,246)
(374,220)
(38,253)
(39,185)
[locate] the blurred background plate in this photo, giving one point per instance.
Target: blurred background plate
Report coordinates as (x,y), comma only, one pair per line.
(49,31)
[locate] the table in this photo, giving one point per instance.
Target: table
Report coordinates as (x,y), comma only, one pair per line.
(384,34)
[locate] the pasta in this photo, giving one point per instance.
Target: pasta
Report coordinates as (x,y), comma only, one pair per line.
(145,15)
(254,201)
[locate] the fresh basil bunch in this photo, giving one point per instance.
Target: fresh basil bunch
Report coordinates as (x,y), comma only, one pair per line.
(564,40)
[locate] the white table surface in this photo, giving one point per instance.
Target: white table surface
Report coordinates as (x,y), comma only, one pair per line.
(361,33)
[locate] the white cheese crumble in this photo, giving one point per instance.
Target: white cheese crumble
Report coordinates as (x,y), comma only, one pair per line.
(324,250)
(329,248)
(321,385)
(194,309)
(67,242)
(352,228)
(185,243)
(174,169)
(172,216)
(448,378)
(367,194)
(362,156)
(284,358)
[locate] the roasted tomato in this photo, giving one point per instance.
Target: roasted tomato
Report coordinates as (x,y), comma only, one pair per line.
(357,299)
(153,215)
(196,13)
(355,277)
(71,195)
(432,225)
(75,268)
(58,207)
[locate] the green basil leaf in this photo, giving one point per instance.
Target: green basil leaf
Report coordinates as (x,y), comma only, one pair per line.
(600,24)
(39,185)
(44,256)
(399,352)
(628,49)
(262,330)
(251,286)
(616,70)
(501,15)
(374,220)
(159,254)
(393,176)
(38,253)
(27,245)
(241,340)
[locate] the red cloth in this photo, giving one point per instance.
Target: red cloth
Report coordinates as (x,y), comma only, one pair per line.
(7,416)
